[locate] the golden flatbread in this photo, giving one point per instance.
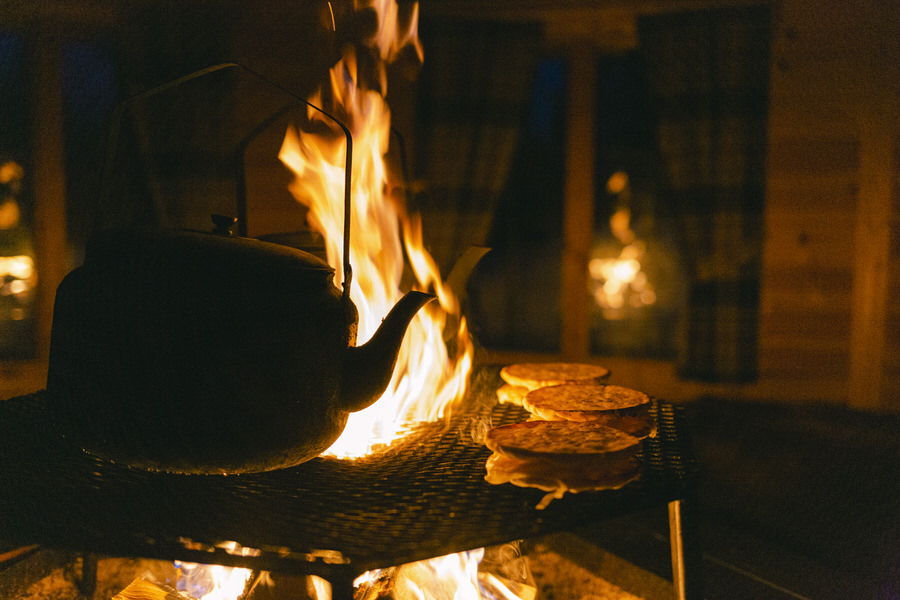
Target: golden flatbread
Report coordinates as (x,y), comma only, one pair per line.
(511,394)
(613,405)
(561,456)
(562,440)
(537,375)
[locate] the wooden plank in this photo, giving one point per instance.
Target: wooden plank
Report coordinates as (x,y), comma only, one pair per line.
(578,205)
(49,180)
(812,239)
(793,195)
(808,326)
(807,280)
(787,181)
(823,300)
(21,377)
(891,362)
(795,117)
(805,364)
(818,388)
(813,156)
(872,253)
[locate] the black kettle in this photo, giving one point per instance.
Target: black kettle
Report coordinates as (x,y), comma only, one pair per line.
(206,352)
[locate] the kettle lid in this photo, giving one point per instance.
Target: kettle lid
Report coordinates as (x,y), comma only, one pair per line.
(196,253)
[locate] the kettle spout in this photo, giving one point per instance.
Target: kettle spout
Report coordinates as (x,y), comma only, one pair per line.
(368,368)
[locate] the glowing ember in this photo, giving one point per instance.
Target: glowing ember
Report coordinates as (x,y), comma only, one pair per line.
(214,582)
(428,376)
(451,577)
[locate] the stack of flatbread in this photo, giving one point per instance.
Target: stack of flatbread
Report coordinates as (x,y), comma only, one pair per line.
(519,379)
(620,407)
(561,456)
(584,434)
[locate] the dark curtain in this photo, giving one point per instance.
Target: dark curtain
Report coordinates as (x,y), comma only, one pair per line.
(708,75)
(515,292)
(474,91)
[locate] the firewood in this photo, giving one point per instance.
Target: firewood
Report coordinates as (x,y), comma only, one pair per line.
(141,589)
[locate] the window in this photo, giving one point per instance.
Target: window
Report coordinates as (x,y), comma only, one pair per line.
(18,274)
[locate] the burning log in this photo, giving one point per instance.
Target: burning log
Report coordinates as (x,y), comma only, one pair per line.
(142,589)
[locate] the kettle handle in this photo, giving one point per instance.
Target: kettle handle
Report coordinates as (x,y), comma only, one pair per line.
(116,123)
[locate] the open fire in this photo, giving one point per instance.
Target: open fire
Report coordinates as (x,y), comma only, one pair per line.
(386,250)
(428,376)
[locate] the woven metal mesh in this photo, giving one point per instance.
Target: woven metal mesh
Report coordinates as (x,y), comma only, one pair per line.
(424,496)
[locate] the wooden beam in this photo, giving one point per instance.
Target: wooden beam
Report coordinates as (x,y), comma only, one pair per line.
(49,179)
(578,204)
(877,100)
(872,245)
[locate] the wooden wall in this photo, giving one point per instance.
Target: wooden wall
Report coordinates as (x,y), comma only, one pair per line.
(830,321)
(829,318)
(891,359)
(826,304)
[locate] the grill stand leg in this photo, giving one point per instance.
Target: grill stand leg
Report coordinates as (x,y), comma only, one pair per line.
(686,555)
(341,586)
(87,585)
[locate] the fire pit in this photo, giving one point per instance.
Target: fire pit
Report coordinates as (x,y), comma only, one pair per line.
(421,497)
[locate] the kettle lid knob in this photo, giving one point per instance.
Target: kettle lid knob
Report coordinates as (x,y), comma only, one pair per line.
(223,224)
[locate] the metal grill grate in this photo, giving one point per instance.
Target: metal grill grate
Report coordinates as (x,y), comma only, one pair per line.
(424,496)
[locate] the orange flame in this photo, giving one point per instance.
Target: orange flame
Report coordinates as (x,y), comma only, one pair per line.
(214,582)
(428,376)
(454,576)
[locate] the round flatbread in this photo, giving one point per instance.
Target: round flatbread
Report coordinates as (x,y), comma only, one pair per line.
(537,375)
(585,398)
(512,394)
(578,476)
(561,457)
(616,406)
(559,440)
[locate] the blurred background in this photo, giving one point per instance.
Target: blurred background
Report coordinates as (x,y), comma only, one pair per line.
(700,194)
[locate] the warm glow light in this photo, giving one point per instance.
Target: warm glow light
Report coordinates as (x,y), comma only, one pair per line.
(20,267)
(451,577)
(321,588)
(625,270)
(9,215)
(639,284)
(429,376)
(620,224)
(620,280)
(224,583)
(11,171)
(214,582)
(17,275)
(612,287)
(460,576)
(617,182)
